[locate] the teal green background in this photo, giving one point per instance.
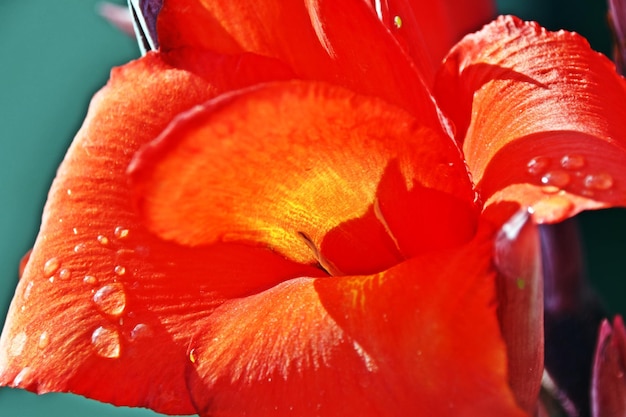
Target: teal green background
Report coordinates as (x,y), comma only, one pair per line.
(55,54)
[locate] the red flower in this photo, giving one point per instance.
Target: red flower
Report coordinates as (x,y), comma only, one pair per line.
(268,216)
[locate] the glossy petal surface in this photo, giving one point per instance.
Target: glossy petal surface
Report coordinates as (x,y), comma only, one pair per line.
(312,171)
(418,339)
(319,39)
(551,111)
(427,30)
(105,308)
(519,287)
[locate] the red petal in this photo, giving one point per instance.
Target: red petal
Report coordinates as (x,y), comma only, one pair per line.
(538,113)
(520,309)
(608,391)
(320,40)
(468,16)
(285,164)
(105,308)
(427,30)
(420,339)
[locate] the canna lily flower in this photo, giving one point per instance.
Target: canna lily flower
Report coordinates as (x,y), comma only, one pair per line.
(292,208)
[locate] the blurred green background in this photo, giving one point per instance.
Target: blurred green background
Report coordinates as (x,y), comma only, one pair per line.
(55,54)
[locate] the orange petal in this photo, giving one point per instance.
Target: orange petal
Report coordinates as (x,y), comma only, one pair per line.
(419,339)
(285,164)
(99,292)
(540,116)
(319,39)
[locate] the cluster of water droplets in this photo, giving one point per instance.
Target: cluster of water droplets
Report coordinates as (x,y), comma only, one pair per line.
(569,173)
(108,296)
(110,300)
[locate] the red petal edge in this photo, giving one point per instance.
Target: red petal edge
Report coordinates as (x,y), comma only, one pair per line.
(540,116)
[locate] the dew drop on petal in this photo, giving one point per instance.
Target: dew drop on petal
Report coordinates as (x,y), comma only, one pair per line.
(90,279)
(573,162)
(44,340)
(111,299)
(21,377)
(51,266)
(556,178)
(140,331)
(601,182)
(397,22)
(552,209)
(538,165)
(119,270)
(120,232)
(65,273)
(28,290)
(103,240)
(192,356)
(106,342)
(80,247)
(550,189)
(18,344)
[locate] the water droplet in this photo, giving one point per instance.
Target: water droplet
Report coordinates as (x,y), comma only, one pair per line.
(587,193)
(397,22)
(140,331)
(75,230)
(106,342)
(90,279)
(121,232)
(556,178)
(538,165)
(103,240)
(573,162)
(550,189)
(44,340)
(80,247)
(65,273)
(69,191)
(28,290)
(18,344)
(119,270)
(192,355)
(21,377)
(51,266)
(601,182)
(552,209)
(111,299)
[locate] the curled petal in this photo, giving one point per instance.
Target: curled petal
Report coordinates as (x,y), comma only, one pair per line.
(539,116)
(284,164)
(520,309)
(419,339)
(99,292)
(608,392)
